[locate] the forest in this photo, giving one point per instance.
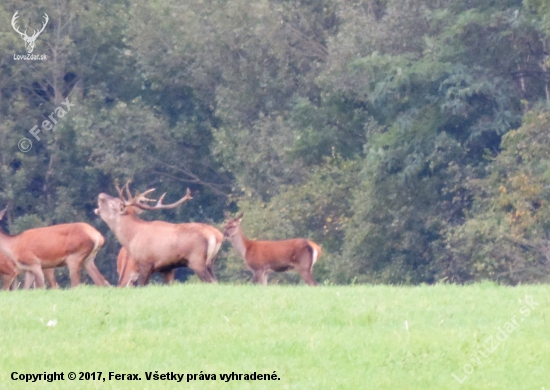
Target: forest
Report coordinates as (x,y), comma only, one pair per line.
(409,138)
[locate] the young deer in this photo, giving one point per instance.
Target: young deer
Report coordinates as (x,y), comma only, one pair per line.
(278,256)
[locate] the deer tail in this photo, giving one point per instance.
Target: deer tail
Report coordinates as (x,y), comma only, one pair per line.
(315,251)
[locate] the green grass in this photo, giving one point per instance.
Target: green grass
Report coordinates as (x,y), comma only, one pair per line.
(314,338)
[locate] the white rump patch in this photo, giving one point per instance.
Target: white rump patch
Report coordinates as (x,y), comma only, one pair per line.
(211,250)
(314,256)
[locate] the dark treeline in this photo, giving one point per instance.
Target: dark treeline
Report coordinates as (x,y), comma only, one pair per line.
(410,138)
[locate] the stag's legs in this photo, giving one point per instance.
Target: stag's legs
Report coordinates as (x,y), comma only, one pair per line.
(210,261)
(92,270)
(260,276)
(304,268)
(306,276)
(145,271)
(204,274)
(212,276)
(198,263)
(168,276)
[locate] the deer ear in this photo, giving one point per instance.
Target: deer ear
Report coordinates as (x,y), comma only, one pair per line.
(239,217)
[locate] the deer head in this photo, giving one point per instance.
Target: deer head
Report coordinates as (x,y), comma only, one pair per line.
(232,226)
(29,41)
(110,208)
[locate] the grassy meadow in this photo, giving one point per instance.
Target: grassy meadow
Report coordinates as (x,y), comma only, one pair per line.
(330,337)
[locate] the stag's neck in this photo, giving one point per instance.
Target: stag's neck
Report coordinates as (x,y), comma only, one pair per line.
(126,229)
(240,242)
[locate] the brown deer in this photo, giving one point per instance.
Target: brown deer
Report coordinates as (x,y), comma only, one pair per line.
(71,244)
(262,257)
(158,246)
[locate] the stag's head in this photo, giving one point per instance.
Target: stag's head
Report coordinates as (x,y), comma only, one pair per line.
(29,41)
(232,226)
(110,208)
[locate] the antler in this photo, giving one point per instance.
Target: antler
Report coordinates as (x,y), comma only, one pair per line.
(139,198)
(15,27)
(120,191)
(159,205)
(24,34)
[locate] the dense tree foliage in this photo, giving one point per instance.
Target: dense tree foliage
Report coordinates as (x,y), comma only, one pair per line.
(410,138)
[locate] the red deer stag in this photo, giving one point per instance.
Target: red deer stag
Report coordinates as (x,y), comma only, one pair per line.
(278,256)
(158,246)
(71,244)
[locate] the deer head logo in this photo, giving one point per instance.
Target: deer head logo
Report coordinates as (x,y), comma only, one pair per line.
(29,41)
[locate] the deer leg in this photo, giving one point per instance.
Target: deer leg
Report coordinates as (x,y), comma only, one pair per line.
(74,262)
(145,271)
(198,264)
(127,270)
(203,274)
(256,276)
(14,285)
(29,280)
(128,278)
(92,270)
(260,276)
(212,276)
(50,276)
(305,266)
(37,276)
(305,273)
(263,278)
(7,281)
(168,276)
